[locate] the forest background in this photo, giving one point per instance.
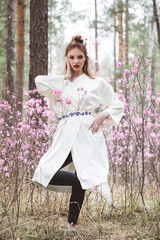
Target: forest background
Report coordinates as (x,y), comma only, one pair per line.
(123,42)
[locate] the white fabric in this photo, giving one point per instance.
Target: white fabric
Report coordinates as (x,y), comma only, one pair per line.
(88,150)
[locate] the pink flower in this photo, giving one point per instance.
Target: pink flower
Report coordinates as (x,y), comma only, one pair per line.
(119,64)
(133,61)
(57,92)
(127,71)
(148,79)
(7,174)
(85,92)
(141,44)
(149,88)
(147,60)
(96,42)
(158,100)
(137,66)
(98,73)
(93,189)
(2,161)
(68,101)
(60,100)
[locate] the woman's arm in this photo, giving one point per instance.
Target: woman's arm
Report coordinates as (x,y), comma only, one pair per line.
(115,109)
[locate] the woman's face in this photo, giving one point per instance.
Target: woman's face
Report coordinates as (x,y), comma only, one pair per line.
(76,59)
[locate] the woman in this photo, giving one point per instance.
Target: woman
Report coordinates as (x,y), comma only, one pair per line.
(77,159)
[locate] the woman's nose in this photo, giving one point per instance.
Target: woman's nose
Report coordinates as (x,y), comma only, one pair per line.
(76,60)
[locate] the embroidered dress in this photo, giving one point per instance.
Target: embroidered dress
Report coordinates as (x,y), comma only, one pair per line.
(89,152)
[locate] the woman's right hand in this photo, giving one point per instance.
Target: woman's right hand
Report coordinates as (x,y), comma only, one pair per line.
(68,75)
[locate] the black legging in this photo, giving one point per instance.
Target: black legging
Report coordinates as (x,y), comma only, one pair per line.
(62,178)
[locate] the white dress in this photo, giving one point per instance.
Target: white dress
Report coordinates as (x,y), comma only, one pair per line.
(89,152)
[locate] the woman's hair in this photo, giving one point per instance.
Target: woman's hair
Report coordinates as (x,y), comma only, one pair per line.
(78,42)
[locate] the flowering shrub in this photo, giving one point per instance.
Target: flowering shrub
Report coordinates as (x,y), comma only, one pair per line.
(134,146)
(24,138)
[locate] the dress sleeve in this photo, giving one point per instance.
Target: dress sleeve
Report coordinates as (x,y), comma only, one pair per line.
(115,107)
(47,84)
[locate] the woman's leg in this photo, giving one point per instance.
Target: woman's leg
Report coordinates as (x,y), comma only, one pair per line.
(63,178)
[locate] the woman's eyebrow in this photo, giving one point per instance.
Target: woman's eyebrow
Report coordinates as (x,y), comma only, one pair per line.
(78,56)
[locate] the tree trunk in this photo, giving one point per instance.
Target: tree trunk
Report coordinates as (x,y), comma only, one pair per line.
(38,40)
(120,29)
(115,53)
(96,37)
(126,36)
(156,20)
(10,48)
(20,53)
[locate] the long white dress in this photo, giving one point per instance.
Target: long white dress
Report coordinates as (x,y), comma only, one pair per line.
(89,152)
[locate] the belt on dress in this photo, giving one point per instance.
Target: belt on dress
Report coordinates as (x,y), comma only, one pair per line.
(74,113)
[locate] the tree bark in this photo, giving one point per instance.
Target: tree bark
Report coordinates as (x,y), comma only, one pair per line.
(10,48)
(38,40)
(115,53)
(20,53)
(120,29)
(96,37)
(126,36)
(156,20)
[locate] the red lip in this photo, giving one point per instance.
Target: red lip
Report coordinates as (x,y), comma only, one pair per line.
(76,66)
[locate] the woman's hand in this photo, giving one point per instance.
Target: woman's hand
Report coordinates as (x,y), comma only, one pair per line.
(98,120)
(68,75)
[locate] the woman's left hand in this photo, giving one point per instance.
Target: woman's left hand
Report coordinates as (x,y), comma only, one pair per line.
(98,120)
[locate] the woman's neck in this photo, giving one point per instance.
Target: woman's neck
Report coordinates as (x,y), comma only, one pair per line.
(76,74)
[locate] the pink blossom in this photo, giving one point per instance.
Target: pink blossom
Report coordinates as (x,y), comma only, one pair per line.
(98,73)
(60,100)
(2,161)
(85,92)
(136,84)
(134,61)
(149,88)
(93,189)
(158,100)
(7,174)
(96,42)
(68,101)
(127,71)
(119,64)
(148,61)
(57,92)
(134,70)
(5,168)
(148,79)
(2,121)
(137,66)
(141,44)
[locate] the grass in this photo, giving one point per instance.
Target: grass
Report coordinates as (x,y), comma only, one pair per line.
(48,221)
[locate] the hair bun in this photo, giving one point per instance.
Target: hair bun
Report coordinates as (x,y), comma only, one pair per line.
(78,39)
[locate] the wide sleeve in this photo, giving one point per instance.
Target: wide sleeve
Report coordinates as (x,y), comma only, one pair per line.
(115,107)
(47,84)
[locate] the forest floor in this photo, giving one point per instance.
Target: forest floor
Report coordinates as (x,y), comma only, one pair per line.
(97,221)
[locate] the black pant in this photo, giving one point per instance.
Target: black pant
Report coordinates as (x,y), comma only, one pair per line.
(62,178)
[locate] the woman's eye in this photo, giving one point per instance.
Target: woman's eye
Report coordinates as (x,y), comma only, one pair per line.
(71,57)
(80,57)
